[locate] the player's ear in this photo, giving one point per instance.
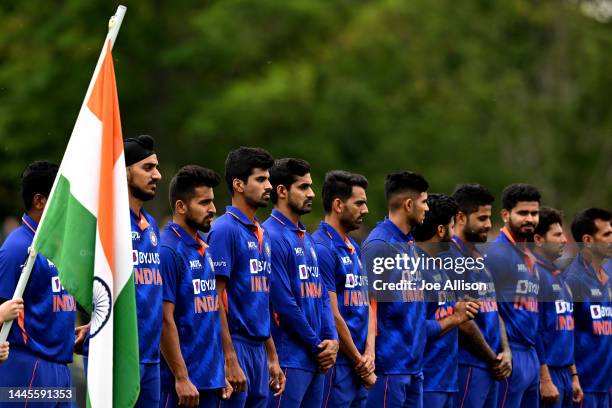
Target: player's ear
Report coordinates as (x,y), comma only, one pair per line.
(337,206)
(538,240)
(281,191)
(460,218)
(408,204)
(505,215)
(441,231)
(588,240)
(39,201)
(238,185)
(180,207)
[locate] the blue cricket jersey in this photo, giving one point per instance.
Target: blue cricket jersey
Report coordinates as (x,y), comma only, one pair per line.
(441,358)
(592,293)
(517,284)
(189,283)
(555,341)
(240,250)
(343,273)
(299,299)
(46,326)
(487,318)
(148,284)
(401,332)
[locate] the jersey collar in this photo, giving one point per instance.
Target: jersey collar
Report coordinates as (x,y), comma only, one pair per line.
(280,217)
(29,223)
(545,263)
(140,219)
(239,215)
(335,236)
(198,243)
(520,247)
(600,275)
(391,227)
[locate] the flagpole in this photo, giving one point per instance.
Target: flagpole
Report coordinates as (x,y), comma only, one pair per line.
(114,24)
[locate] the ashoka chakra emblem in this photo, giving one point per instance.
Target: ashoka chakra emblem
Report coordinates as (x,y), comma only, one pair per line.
(102,305)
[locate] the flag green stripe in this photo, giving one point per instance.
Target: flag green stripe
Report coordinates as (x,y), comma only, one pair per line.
(126,368)
(68,238)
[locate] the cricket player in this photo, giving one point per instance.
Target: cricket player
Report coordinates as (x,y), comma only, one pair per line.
(241,253)
(400,319)
(591,287)
(444,311)
(559,383)
(192,372)
(517,284)
(340,265)
(42,337)
(484,353)
(303,328)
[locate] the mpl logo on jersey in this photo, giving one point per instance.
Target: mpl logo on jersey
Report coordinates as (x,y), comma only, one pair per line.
(135,236)
(195,264)
(299,251)
(346,260)
(252,245)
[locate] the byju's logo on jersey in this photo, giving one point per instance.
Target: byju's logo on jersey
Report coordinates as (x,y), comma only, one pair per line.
(56,286)
(350,281)
(256,266)
(299,251)
(252,245)
(523,286)
(562,307)
(303,272)
(203,285)
(600,312)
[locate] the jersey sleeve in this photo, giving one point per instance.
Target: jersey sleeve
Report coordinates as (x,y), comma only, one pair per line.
(12,258)
(329,325)
(221,246)
(171,273)
(327,266)
(283,300)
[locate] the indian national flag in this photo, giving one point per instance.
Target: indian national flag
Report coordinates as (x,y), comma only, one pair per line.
(85,231)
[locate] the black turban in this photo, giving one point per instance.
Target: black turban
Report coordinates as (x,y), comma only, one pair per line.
(138,148)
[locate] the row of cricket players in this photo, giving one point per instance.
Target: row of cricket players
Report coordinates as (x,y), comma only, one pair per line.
(256,315)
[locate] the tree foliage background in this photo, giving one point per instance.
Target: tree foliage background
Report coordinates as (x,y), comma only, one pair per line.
(475,91)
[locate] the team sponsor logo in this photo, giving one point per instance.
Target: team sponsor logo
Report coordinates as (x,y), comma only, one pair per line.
(50,264)
(299,251)
(313,253)
(350,281)
(56,286)
(195,264)
(346,260)
(523,286)
(252,245)
(153,237)
(139,258)
(556,287)
(595,292)
(600,312)
(135,236)
(303,272)
(253,266)
(219,264)
(562,307)
(203,285)
(522,268)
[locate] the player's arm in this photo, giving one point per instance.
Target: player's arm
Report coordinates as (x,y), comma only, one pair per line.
(277,378)
(577,393)
(463,311)
(10,309)
(170,348)
(344,335)
(548,390)
(503,366)
(471,338)
(368,357)
(233,372)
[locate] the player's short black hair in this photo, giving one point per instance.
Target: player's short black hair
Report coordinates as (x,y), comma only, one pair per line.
(515,193)
(548,217)
(402,182)
(339,184)
(241,162)
(442,209)
(584,222)
(285,172)
(187,179)
(37,178)
(470,197)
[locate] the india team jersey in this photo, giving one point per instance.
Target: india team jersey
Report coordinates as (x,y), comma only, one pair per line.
(300,302)
(401,332)
(517,283)
(46,326)
(441,352)
(240,250)
(592,293)
(555,340)
(189,283)
(343,273)
(148,284)
(487,318)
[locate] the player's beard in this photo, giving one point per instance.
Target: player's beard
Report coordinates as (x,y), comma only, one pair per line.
(516,230)
(472,235)
(202,225)
(139,193)
(259,202)
(300,209)
(348,222)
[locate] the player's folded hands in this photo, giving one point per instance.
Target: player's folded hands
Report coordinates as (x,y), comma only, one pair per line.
(327,357)
(466,309)
(365,366)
